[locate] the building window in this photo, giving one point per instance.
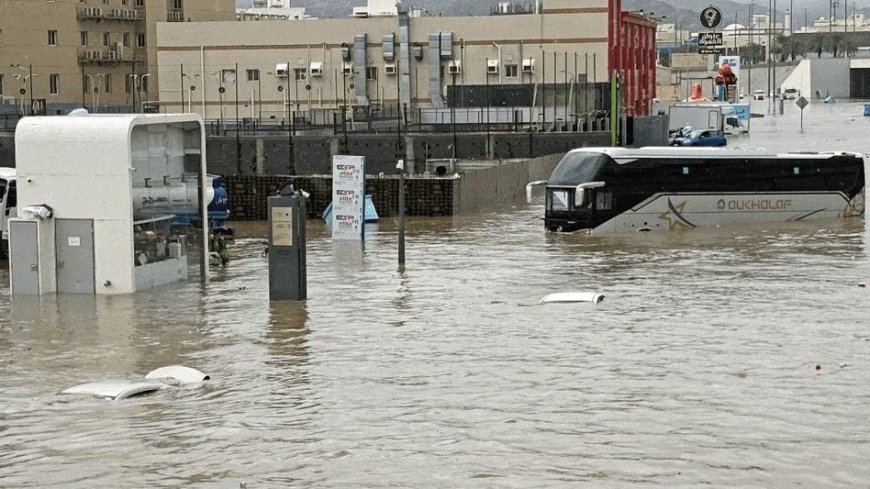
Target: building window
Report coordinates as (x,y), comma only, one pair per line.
(123,2)
(53,83)
(84,36)
(107,39)
(177,4)
(301,73)
(253,75)
(126,39)
(140,40)
(228,76)
(108,83)
(1,84)
(140,3)
(52,38)
(511,71)
(371,72)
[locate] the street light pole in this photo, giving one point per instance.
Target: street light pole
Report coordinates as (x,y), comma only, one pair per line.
(238,141)
(30,78)
(143,91)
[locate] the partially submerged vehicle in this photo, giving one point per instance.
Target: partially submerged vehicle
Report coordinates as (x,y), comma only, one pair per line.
(666,188)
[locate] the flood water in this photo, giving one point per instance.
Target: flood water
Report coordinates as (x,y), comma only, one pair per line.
(736,358)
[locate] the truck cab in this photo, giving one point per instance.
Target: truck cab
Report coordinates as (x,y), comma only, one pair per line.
(8,202)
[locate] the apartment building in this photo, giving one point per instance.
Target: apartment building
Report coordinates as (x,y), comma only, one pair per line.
(56,55)
(523,58)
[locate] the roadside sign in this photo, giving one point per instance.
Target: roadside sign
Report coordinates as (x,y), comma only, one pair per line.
(802,103)
(709,51)
(710,39)
(711,17)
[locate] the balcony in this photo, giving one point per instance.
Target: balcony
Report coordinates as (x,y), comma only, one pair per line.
(175,15)
(115,14)
(106,55)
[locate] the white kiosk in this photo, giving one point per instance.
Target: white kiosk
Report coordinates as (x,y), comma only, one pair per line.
(100,200)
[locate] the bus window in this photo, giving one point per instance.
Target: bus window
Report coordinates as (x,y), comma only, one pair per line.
(603,200)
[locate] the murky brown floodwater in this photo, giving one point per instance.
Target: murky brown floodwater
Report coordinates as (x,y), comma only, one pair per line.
(698,368)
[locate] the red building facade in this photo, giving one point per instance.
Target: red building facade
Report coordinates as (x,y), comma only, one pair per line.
(631,40)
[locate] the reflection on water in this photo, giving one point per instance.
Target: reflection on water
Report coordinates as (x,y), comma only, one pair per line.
(699,367)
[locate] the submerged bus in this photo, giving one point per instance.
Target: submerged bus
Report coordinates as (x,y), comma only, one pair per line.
(668,188)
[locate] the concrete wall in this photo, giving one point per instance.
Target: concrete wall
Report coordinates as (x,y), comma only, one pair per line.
(829,77)
(500,187)
(497,188)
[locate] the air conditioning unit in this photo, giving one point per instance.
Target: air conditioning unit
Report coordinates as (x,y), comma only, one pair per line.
(281,70)
(316,68)
(390,69)
(455,67)
(347,69)
(528,65)
(492,66)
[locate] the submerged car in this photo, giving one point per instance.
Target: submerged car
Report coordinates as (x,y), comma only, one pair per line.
(704,137)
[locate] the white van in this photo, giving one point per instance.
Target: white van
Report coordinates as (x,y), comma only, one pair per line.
(8,201)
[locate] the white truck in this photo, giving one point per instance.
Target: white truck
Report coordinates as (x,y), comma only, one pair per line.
(700,115)
(7,206)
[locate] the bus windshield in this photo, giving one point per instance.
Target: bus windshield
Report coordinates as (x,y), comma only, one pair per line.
(558,200)
(578,167)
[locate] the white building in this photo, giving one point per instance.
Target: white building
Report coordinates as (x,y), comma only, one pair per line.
(378,8)
(272,10)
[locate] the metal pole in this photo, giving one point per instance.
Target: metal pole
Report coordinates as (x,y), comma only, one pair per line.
(290,126)
(773,69)
(488,105)
(238,142)
(84,88)
(30,79)
(182,89)
(453,114)
(401,169)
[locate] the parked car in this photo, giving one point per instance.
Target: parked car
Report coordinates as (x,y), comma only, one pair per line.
(790,94)
(758,95)
(705,137)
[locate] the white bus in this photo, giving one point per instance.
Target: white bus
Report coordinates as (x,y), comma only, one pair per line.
(669,188)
